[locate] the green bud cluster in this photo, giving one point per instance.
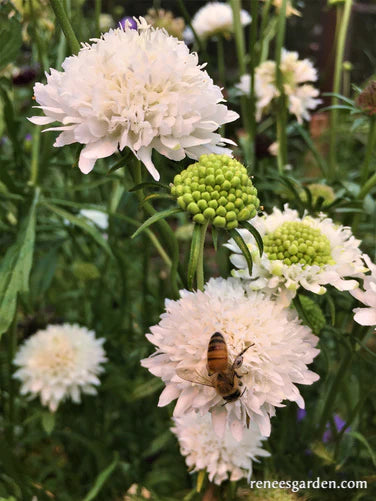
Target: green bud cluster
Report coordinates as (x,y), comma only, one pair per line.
(313,313)
(85,271)
(296,242)
(218,189)
(319,190)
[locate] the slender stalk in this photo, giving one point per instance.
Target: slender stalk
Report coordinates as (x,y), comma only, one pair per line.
(282,101)
(65,24)
(239,35)
(367,187)
(333,392)
(200,265)
(98,10)
(264,22)
(343,17)
(221,70)
(42,56)
(252,53)
(35,156)
(369,150)
(187,18)
(12,348)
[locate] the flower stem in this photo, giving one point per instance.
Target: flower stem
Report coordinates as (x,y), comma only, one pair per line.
(239,35)
(98,10)
(343,17)
(12,348)
(252,53)
(35,156)
(221,69)
(61,16)
(333,392)
(367,187)
(200,264)
(264,22)
(282,101)
(369,150)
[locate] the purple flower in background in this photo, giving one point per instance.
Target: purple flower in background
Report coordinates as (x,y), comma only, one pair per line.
(131,22)
(28,137)
(339,424)
(300,414)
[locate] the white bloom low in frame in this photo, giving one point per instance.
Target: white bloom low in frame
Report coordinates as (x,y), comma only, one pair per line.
(222,457)
(301,96)
(216,18)
(367,316)
(278,359)
(60,362)
(299,252)
(140,89)
(96,217)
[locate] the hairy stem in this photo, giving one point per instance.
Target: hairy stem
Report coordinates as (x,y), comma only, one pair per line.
(65,24)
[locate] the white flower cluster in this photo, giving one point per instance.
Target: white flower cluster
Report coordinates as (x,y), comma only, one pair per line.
(367,316)
(280,350)
(140,89)
(221,457)
(60,362)
(216,18)
(301,96)
(283,273)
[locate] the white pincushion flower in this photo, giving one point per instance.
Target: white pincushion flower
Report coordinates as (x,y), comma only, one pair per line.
(216,18)
(222,458)
(140,89)
(60,362)
(307,252)
(367,316)
(295,72)
(278,359)
(96,217)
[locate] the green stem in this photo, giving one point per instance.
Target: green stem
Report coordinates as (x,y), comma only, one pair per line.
(221,70)
(343,16)
(12,348)
(98,10)
(43,61)
(333,392)
(200,264)
(239,35)
(264,21)
(252,53)
(61,16)
(282,101)
(35,156)
(367,187)
(187,18)
(369,150)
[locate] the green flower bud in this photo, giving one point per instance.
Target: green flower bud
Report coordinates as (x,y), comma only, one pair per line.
(313,313)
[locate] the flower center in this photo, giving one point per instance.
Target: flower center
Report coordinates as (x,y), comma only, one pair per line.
(218,189)
(297,242)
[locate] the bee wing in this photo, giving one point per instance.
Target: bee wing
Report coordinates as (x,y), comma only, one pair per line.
(195,376)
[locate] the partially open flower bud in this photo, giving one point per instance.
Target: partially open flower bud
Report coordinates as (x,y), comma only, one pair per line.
(218,189)
(319,190)
(366,100)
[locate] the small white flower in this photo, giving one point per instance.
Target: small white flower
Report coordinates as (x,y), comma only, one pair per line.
(299,252)
(106,21)
(222,458)
(273,148)
(140,89)
(96,217)
(290,11)
(367,316)
(60,362)
(216,18)
(295,72)
(278,359)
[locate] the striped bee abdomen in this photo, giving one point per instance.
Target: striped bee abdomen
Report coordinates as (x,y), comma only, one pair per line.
(217,353)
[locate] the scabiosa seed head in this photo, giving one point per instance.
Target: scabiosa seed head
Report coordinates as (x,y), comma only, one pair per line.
(160,18)
(218,189)
(60,362)
(313,313)
(222,457)
(366,100)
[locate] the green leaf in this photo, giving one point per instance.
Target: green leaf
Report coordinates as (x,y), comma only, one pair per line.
(48,422)
(243,248)
(365,442)
(156,217)
(145,389)
(101,479)
(332,308)
(81,223)
(200,480)
(256,235)
(150,184)
(156,196)
(15,267)
(214,232)
(194,255)
(10,34)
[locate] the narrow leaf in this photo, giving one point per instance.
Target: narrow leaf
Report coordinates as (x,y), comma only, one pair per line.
(156,196)
(243,248)
(101,479)
(194,255)
(214,233)
(156,217)
(48,422)
(365,442)
(150,184)
(256,235)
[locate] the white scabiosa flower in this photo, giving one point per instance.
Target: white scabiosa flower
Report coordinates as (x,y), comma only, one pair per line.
(60,362)
(279,350)
(301,96)
(367,316)
(97,217)
(140,89)
(216,18)
(307,252)
(223,458)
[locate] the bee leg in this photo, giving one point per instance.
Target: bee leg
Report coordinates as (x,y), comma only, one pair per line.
(242,393)
(240,383)
(237,375)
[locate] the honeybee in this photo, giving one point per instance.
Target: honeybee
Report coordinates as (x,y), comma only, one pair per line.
(222,375)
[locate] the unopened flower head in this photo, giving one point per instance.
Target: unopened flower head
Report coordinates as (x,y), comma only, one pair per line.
(314,314)
(216,18)
(222,457)
(319,190)
(106,21)
(299,252)
(367,315)
(366,100)
(160,18)
(140,89)
(279,350)
(290,11)
(60,362)
(301,97)
(217,189)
